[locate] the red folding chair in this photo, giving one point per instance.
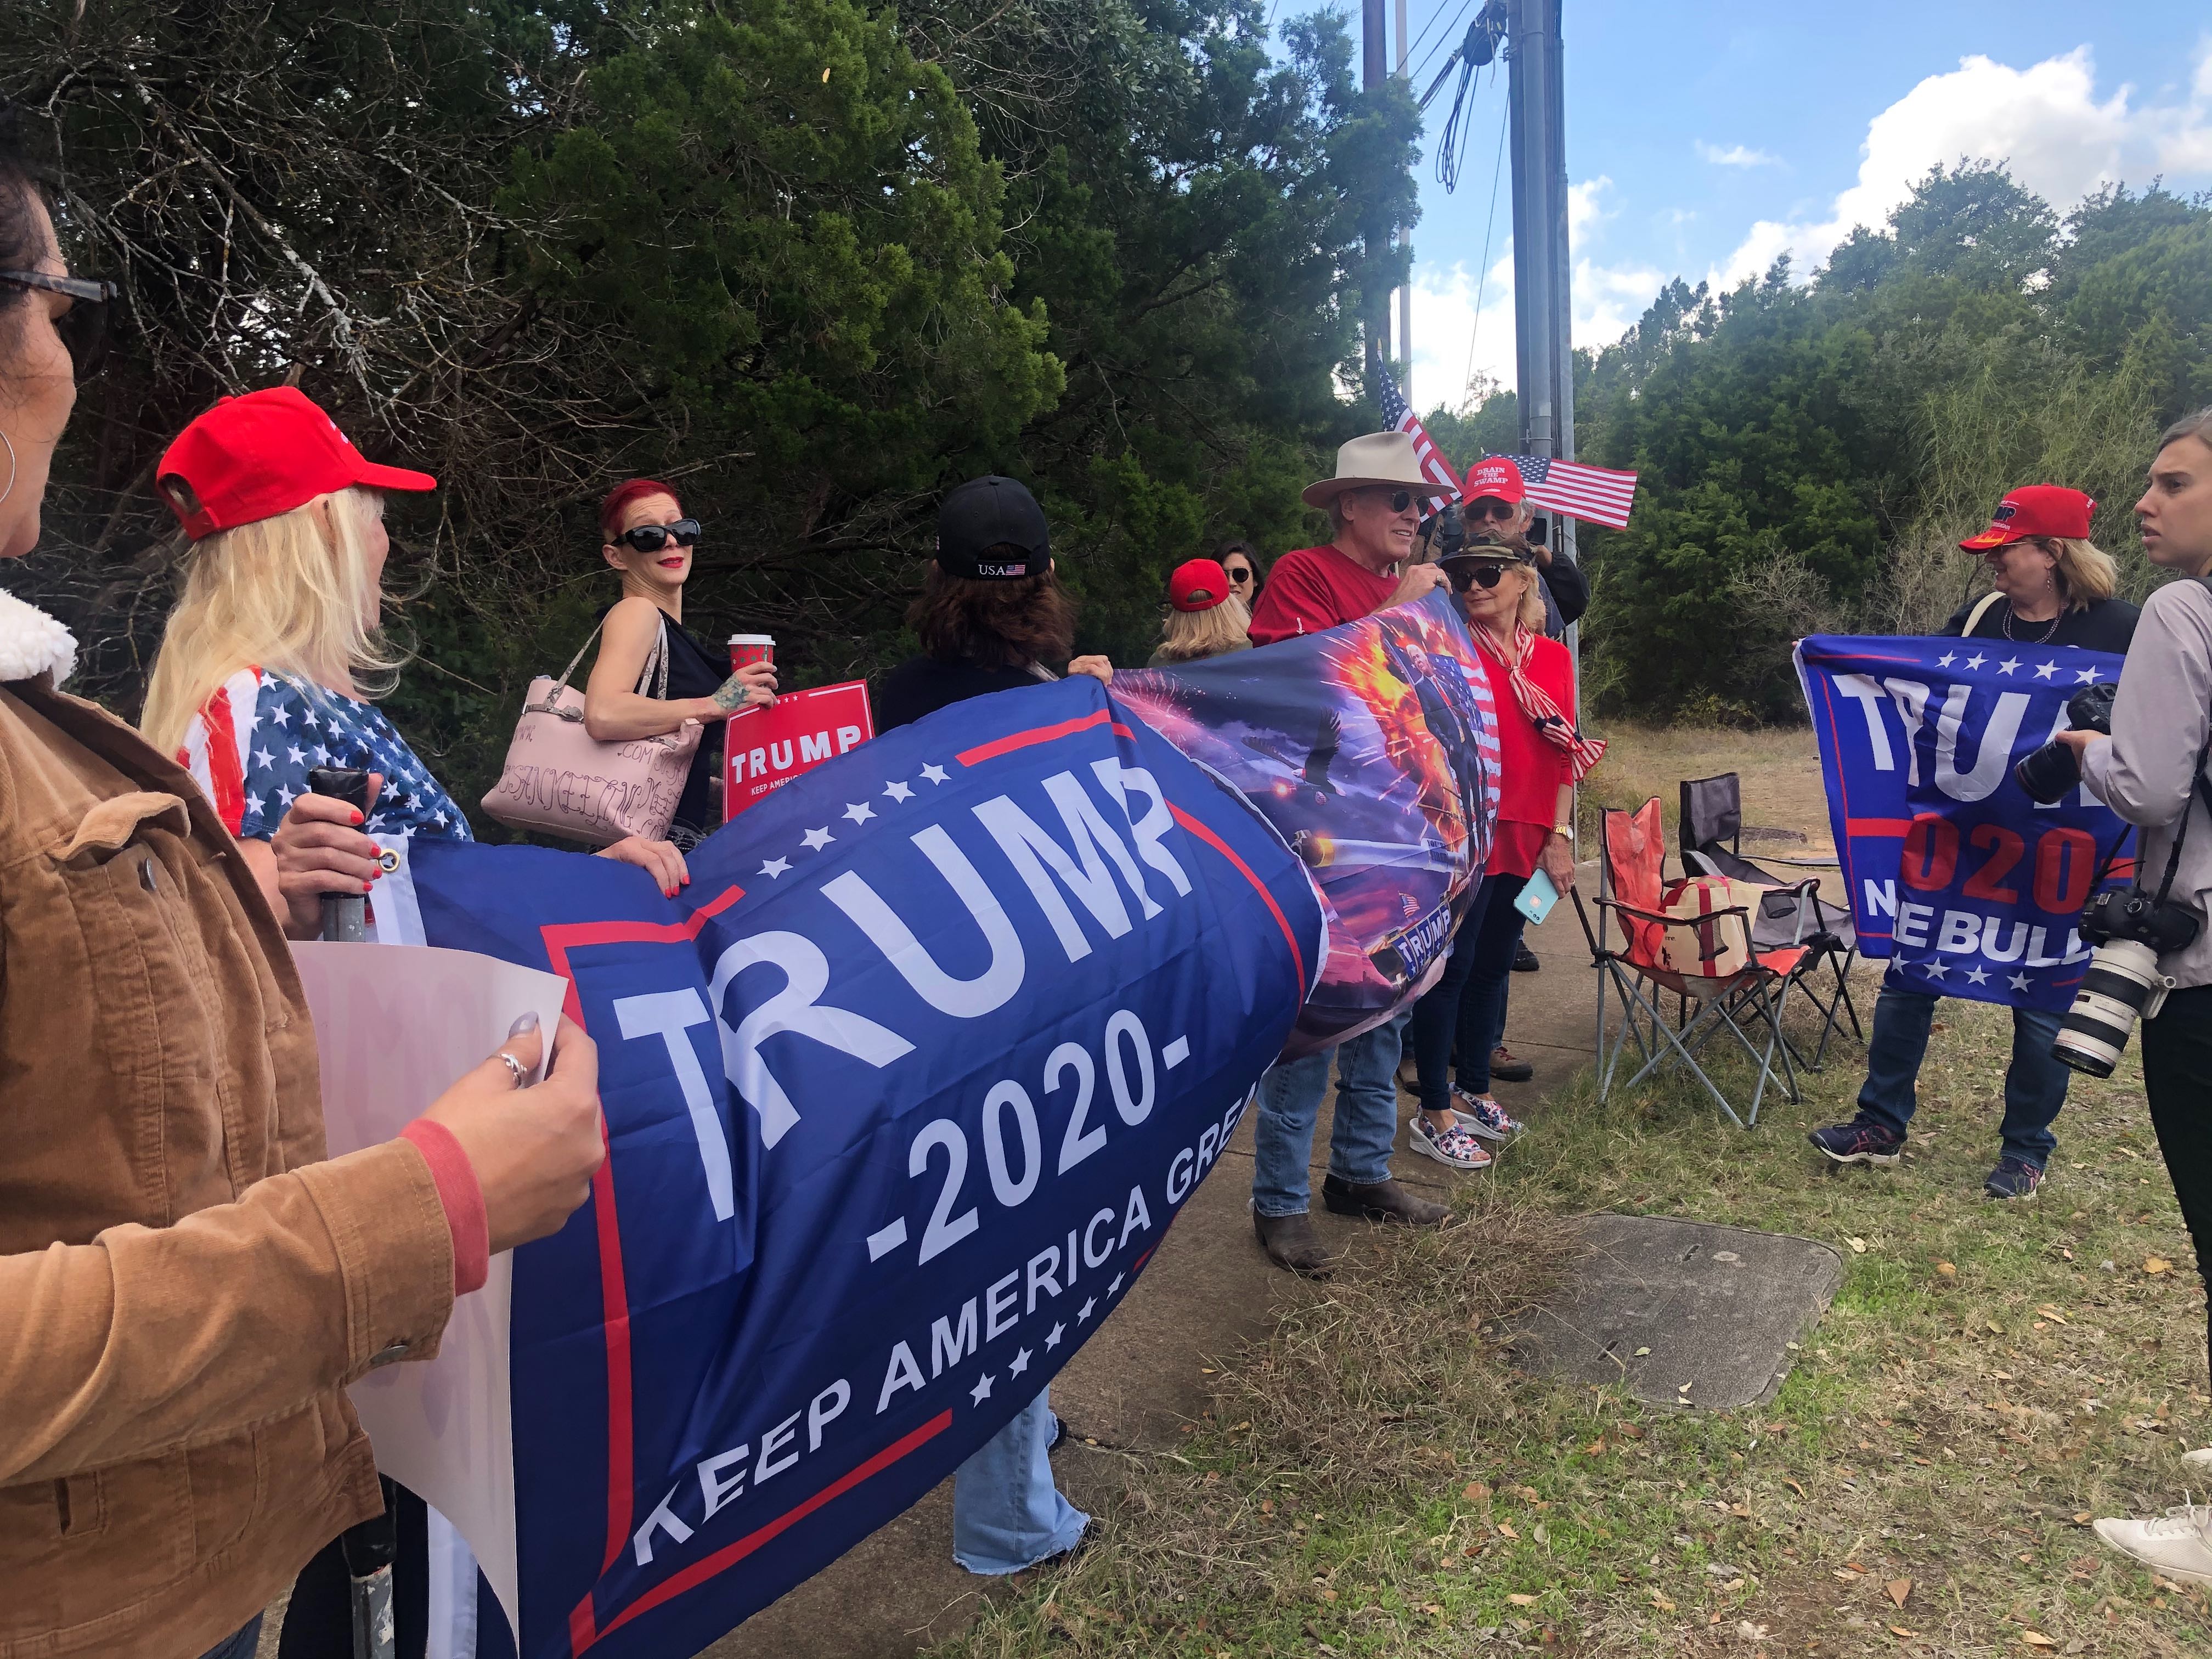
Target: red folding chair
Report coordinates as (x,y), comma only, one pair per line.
(1633,890)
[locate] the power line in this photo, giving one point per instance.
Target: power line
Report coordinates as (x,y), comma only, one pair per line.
(1482,277)
(1444,7)
(1449,41)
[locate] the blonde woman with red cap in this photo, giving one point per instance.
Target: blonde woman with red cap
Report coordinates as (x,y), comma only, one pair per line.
(188,1285)
(2053,589)
(273,656)
(2052,585)
(1205,618)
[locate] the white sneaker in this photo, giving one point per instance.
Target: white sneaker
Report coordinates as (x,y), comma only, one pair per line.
(2173,1544)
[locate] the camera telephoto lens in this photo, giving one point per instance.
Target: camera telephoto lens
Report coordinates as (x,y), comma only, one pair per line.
(2122,984)
(2049,773)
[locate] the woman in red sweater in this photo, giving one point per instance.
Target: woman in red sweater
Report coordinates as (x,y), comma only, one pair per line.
(1542,756)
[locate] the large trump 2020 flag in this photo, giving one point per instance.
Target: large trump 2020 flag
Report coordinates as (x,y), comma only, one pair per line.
(902,1095)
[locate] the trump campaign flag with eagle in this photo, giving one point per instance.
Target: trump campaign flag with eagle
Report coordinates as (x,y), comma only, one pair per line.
(1966,884)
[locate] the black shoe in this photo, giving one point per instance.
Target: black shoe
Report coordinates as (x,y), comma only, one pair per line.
(1506,1066)
(1859,1143)
(1524,959)
(2014,1178)
(1380,1200)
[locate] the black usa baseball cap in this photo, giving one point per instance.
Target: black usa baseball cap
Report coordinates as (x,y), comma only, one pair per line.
(987,514)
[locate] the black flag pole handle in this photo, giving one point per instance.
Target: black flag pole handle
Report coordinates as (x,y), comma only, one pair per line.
(345,915)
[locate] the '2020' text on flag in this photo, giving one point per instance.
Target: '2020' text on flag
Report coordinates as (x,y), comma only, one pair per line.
(1968,886)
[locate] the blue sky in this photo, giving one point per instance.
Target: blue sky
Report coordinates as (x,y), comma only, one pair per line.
(1704,140)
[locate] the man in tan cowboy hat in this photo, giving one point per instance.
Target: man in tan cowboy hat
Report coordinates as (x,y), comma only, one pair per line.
(1373,506)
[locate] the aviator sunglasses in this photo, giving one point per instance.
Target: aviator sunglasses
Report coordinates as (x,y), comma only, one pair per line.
(652,538)
(83,327)
(1487,573)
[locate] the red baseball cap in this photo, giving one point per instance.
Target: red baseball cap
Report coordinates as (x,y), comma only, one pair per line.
(1495,475)
(254,457)
(1197,584)
(2035,510)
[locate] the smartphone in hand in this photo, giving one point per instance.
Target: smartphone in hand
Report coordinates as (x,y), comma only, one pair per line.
(1538,895)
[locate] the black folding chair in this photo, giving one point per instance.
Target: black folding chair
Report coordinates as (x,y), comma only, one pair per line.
(1792,913)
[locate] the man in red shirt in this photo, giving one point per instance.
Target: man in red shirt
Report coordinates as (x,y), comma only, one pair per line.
(1374,505)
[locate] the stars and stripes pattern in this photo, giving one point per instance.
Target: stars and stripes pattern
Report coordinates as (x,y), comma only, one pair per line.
(253,741)
(1596,493)
(1398,416)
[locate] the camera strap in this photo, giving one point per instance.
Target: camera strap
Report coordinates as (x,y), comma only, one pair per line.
(2197,788)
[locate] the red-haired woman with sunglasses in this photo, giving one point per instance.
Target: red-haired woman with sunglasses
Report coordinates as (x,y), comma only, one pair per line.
(648,541)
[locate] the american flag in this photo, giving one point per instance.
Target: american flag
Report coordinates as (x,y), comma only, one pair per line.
(1596,493)
(1398,415)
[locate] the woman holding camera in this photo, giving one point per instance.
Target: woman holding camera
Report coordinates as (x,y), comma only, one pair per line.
(2051,587)
(2150,771)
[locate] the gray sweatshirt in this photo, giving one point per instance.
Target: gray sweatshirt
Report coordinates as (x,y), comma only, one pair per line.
(2144,773)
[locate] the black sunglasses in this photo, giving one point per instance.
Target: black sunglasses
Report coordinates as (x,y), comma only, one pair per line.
(652,538)
(83,326)
(1495,512)
(1240,577)
(1400,499)
(1464,576)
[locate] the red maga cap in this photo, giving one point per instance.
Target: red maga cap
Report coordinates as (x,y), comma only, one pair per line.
(1495,475)
(1197,584)
(2035,510)
(254,457)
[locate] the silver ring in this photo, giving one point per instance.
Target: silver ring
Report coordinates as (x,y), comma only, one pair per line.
(514,1065)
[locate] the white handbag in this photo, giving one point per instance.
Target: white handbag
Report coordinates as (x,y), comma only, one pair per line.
(560,780)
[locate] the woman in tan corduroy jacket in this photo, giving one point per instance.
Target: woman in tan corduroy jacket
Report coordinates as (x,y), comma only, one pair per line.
(186,1284)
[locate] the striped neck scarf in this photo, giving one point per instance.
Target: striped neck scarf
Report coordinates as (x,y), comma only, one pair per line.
(1543,713)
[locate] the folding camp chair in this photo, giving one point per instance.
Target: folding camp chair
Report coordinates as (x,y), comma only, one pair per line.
(1793,914)
(1633,891)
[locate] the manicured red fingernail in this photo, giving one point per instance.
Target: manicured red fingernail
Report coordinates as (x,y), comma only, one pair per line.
(356,816)
(369,887)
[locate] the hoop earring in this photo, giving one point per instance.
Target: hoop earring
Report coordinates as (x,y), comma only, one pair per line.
(10,488)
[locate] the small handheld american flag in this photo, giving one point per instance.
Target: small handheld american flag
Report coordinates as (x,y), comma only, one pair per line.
(1596,493)
(1398,416)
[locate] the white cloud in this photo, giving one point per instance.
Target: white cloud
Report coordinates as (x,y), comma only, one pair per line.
(1585,212)
(1736,156)
(2046,121)
(1607,300)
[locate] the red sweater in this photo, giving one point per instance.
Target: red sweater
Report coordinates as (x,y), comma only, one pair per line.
(1530,768)
(1314,588)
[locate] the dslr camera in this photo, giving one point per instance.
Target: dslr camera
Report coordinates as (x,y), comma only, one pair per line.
(2051,770)
(2122,984)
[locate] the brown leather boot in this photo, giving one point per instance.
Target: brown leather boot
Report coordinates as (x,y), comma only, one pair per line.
(1291,1241)
(1380,1200)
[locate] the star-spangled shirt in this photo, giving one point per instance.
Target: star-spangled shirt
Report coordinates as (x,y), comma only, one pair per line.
(254,740)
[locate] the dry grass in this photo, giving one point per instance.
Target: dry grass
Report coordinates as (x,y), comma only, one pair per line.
(1780,769)
(1376,1480)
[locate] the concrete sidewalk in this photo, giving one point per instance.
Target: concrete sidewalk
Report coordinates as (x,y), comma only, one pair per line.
(1136,1382)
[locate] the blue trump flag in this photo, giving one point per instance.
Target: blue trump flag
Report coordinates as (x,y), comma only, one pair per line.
(902,1095)
(1968,886)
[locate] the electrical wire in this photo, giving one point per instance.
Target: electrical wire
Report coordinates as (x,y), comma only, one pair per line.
(1482,278)
(1443,8)
(1449,44)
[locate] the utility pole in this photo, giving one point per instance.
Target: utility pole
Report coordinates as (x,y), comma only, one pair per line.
(1541,307)
(1405,237)
(1374,300)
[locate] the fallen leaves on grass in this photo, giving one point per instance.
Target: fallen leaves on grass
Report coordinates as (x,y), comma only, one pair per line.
(2157,1264)
(1898,1589)
(2036,1638)
(1858,1246)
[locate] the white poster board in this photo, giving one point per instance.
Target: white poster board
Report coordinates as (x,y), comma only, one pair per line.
(395,1025)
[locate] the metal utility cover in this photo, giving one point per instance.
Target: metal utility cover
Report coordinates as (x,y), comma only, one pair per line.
(1716,1308)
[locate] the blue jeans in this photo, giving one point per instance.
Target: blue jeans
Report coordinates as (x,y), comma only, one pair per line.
(1366,1119)
(2035,1083)
(238,1644)
(1431,1031)
(1006,1513)
(1489,980)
